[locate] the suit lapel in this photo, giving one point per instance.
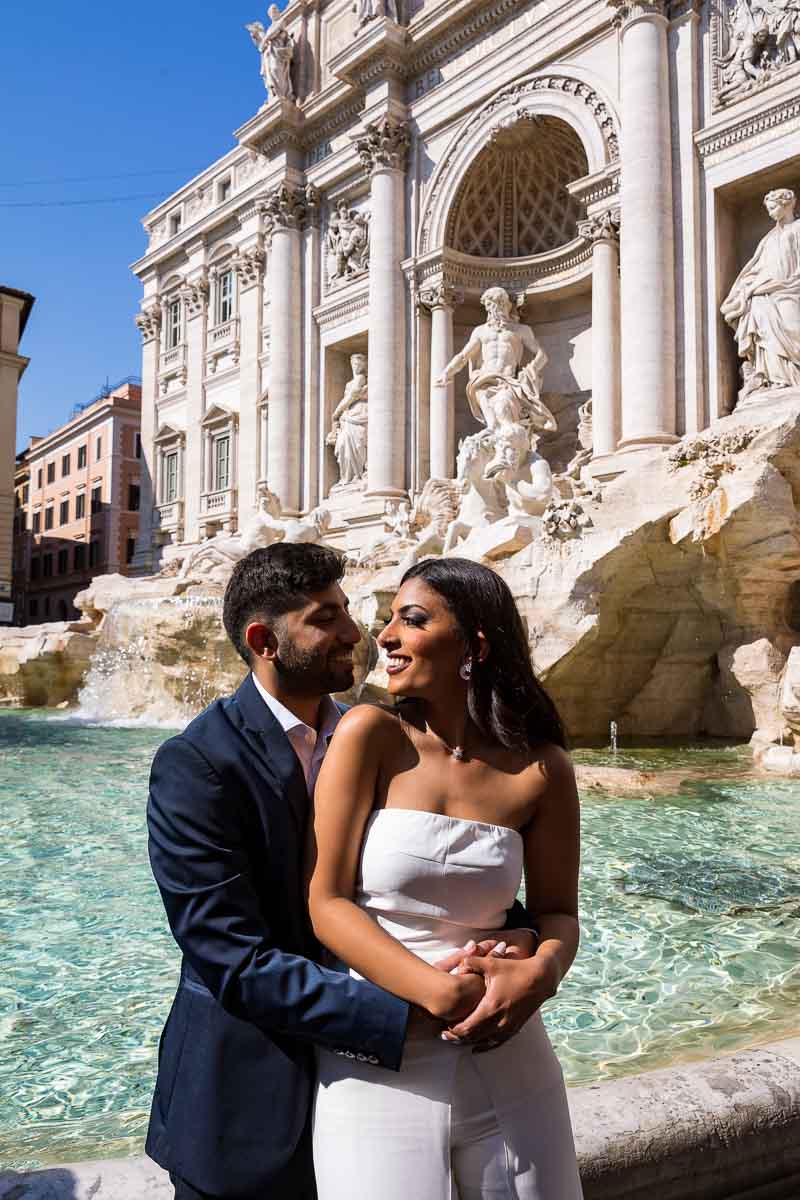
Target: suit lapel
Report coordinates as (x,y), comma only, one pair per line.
(266,736)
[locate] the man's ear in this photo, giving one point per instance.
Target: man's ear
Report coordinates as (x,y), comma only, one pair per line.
(261,640)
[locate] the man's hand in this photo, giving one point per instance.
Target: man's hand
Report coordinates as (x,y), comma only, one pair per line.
(514,992)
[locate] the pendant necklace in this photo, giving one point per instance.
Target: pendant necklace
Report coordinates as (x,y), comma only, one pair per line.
(456,752)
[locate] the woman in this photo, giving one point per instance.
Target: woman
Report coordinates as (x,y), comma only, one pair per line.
(423,825)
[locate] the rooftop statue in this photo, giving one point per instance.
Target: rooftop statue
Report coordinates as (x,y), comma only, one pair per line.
(369,9)
(500,391)
(763,306)
(348,434)
(276,47)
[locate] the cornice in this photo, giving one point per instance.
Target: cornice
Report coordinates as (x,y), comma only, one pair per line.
(536,273)
(741,128)
(17,362)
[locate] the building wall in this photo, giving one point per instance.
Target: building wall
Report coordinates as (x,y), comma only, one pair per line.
(90,462)
(460,73)
(15,307)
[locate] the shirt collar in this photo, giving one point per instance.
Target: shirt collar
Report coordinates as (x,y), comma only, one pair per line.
(329,713)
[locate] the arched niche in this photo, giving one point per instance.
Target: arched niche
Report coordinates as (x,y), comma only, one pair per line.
(514,200)
(561,95)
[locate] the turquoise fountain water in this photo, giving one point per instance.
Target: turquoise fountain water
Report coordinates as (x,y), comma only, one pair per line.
(691,915)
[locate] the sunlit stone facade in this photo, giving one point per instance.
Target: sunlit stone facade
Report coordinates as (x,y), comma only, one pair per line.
(604,162)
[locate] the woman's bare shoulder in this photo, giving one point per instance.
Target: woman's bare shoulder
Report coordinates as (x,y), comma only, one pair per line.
(368,721)
(552,767)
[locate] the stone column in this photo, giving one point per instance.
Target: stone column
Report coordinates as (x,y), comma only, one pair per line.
(441,300)
(149,323)
(603,232)
(249,267)
(313,433)
(647,237)
(284,210)
(194,295)
(382,147)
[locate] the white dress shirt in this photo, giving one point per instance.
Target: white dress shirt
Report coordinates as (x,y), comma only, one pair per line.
(308,744)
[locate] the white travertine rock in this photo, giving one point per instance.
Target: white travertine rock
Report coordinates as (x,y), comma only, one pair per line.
(790,695)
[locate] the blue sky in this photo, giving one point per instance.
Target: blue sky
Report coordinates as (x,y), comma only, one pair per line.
(122,102)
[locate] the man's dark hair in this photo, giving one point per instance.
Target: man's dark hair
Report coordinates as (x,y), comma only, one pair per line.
(273,581)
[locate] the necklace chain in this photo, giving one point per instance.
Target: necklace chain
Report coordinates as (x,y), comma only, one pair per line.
(456,752)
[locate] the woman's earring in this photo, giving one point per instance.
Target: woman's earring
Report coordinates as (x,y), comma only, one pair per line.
(465,670)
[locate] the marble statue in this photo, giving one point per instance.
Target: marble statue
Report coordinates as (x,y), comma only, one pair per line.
(396,539)
(348,241)
(276,47)
(500,390)
(348,436)
(763,306)
(369,9)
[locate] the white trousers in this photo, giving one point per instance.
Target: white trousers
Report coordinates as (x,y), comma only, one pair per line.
(450,1125)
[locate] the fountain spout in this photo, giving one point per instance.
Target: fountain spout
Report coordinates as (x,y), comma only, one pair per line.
(612,729)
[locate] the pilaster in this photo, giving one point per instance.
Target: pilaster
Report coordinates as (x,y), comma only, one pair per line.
(441,300)
(248,264)
(148,322)
(603,232)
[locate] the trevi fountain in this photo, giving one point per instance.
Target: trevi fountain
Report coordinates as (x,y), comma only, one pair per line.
(512,281)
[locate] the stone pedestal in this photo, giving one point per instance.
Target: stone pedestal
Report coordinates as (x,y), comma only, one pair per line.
(647,235)
(382,148)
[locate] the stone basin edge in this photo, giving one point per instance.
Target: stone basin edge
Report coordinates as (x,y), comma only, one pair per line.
(727,1128)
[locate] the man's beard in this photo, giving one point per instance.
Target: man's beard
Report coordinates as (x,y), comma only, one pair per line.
(305,673)
(498,320)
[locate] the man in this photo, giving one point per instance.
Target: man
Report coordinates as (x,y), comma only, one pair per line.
(229,802)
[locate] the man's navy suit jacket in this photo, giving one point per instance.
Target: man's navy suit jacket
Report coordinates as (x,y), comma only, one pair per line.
(226,817)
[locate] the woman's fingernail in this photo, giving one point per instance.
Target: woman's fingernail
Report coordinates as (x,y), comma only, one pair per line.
(500,949)
(471,947)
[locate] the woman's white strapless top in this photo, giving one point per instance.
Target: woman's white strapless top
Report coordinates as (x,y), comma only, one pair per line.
(433,882)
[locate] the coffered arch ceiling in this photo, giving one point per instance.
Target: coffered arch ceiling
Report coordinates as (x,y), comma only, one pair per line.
(513,200)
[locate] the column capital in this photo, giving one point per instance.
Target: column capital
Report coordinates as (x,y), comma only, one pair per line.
(283,207)
(440,295)
(383,144)
(194,294)
(148,321)
(626,11)
(603,227)
(248,265)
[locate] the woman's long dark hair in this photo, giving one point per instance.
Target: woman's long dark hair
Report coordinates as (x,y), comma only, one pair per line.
(504,697)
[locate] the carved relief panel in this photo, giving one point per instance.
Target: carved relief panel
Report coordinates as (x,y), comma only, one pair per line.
(755,43)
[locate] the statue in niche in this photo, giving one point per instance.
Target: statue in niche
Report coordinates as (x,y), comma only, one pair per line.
(276,47)
(368,10)
(500,390)
(348,241)
(348,434)
(763,306)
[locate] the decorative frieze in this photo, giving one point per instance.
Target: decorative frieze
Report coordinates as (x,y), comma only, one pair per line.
(148,321)
(248,265)
(715,141)
(383,144)
(604,227)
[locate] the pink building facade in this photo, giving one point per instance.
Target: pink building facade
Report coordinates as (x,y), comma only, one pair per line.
(82,513)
